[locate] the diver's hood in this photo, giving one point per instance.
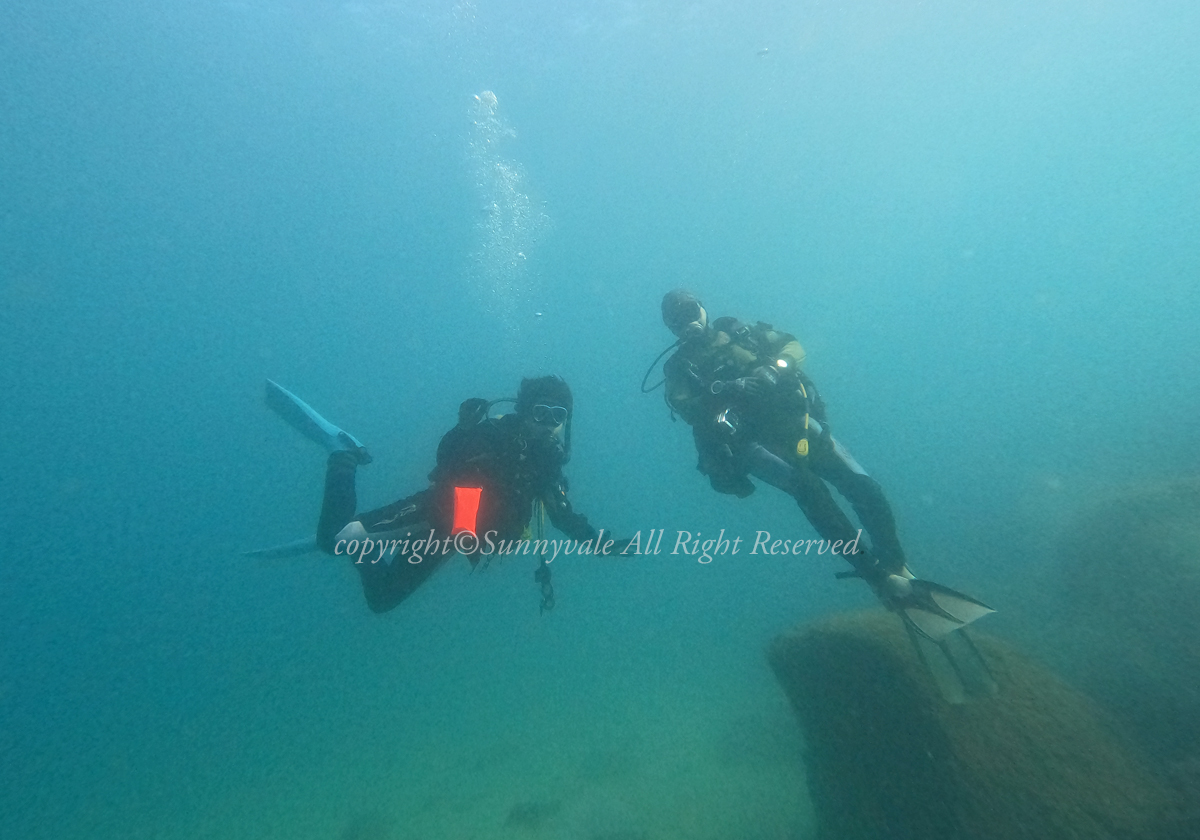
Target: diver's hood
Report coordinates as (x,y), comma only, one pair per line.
(683,314)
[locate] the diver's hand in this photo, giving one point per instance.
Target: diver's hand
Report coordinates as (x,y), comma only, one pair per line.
(757,384)
(746,386)
(471,412)
(731,483)
(751,386)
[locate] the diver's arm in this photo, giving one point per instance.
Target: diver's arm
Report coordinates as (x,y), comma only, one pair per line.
(784,346)
(683,399)
(576,526)
(683,392)
(454,446)
(781,369)
(563,516)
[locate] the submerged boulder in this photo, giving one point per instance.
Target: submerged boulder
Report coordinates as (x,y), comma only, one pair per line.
(1131,571)
(887,757)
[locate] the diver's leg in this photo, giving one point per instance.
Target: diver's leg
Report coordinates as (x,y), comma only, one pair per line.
(820,508)
(830,460)
(386,584)
(337,507)
(402,532)
(810,493)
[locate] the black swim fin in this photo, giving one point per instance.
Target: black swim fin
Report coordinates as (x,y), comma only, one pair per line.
(936,610)
(936,618)
(955,663)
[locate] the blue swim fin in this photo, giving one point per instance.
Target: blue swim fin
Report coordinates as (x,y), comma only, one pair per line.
(304,418)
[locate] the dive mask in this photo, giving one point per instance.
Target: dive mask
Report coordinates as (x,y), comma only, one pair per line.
(549,415)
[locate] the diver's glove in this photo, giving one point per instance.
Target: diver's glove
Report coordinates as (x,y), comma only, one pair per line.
(757,384)
(725,470)
(471,412)
(746,386)
(731,484)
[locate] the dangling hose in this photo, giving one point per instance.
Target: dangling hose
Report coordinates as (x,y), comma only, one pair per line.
(542,575)
(653,365)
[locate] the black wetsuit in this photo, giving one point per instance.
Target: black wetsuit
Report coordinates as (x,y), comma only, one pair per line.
(513,467)
(786,417)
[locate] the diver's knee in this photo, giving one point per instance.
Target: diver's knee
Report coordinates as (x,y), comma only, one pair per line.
(864,489)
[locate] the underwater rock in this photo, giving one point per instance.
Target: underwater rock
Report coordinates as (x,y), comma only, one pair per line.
(888,758)
(1131,571)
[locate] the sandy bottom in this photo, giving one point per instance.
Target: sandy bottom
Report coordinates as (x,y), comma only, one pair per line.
(653,768)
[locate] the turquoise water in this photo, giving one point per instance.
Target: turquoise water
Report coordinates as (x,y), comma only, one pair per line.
(980,222)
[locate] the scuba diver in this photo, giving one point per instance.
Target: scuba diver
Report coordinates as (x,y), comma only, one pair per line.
(754,412)
(492,475)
